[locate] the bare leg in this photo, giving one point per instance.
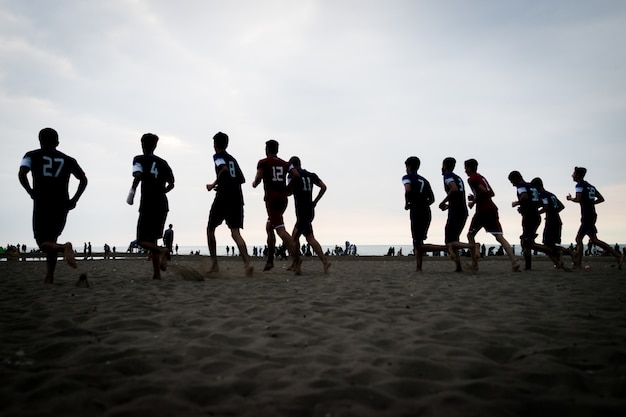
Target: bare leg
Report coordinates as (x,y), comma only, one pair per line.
(271,247)
(318,249)
(159,258)
(52,250)
(471,238)
(243,250)
(288,243)
(210,234)
(608,248)
(507,248)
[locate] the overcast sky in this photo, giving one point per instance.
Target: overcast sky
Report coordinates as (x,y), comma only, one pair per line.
(351,87)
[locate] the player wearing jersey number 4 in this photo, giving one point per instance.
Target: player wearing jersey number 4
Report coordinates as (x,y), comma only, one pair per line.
(157,179)
(228,203)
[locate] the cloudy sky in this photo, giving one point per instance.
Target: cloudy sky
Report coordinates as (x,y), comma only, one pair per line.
(352,87)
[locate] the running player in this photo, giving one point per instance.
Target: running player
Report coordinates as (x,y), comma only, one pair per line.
(157,179)
(454,202)
(588,196)
(486,214)
(51,170)
(272,171)
(418,197)
(228,202)
(527,204)
(302,190)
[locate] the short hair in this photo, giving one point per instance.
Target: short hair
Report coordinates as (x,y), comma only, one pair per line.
(537,182)
(449,163)
(48,137)
(295,161)
(472,164)
(149,141)
(515,176)
(272,146)
(413,162)
(221,140)
(580,172)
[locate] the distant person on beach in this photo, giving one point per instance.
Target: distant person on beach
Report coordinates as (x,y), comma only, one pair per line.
(454,202)
(228,203)
(588,196)
(551,206)
(272,171)
(527,204)
(168,240)
(486,214)
(51,171)
(418,197)
(157,179)
(302,190)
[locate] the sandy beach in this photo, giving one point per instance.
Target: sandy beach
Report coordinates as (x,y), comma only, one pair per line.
(369,339)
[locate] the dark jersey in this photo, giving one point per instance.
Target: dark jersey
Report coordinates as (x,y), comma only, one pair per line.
(302,189)
(155,174)
(51,172)
(456,203)
(229,183)
(588,198)
(421,196)
(529,206)
(274,176)
(552,206)
(483,201)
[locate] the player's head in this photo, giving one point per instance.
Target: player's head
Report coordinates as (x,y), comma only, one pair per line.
(537,183)
(448,164)
(295,161)
(48,138)
(149,142)
(579,173)
(471,165)
(515,177)
(220,140)
(271,147)
(412,163)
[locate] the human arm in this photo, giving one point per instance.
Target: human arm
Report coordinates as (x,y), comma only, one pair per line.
(320,193)
(23,177)
(452,189)
(223,171)
(258,177)
(407,193)
(82,185)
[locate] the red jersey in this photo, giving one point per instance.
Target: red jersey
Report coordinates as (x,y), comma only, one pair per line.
(483,200)
(274,176)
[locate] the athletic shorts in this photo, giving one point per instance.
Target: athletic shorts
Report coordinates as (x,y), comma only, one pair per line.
(304,222)
(276,207)
(530,224)
(420,222)
(150,225)
(225,210)
(489,219)
(552,233)
(454,227)
(588,226)
(48,222)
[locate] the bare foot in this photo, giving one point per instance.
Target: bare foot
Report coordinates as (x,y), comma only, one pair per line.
(298,268)
(214,267)
(515,266)
(472,267)
(68,255)
(268,266)
(249,271)
(326,266)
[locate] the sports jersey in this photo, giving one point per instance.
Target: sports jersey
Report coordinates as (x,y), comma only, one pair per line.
(155,173)
(274,176)
(421,196)
(456,202)
(302,189)
(229,184)
(529,206)
(483,202)
(552,206)
(51,172)
(588,198)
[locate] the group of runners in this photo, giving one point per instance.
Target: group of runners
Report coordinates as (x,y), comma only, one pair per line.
(532,201)
(52,169)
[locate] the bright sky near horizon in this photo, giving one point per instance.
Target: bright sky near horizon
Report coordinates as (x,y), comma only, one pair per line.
(351,87)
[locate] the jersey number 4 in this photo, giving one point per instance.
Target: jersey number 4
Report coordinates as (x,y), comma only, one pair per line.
(49,166)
